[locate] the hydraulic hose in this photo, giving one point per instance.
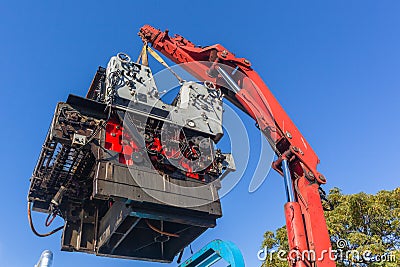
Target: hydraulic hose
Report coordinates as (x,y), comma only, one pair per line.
(33,227)
(159,231)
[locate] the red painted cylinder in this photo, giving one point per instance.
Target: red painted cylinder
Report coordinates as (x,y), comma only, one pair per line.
(298,249)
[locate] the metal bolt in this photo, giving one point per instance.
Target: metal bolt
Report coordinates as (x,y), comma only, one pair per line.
(311,174)
(289,135)
(191,123)
(322,178)
(113,134)
(295,149)
(224,54)
(246,61)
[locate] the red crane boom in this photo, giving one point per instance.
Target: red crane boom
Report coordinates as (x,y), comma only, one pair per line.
(308,236)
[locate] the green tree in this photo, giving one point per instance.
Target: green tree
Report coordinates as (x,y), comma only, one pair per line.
(367,225)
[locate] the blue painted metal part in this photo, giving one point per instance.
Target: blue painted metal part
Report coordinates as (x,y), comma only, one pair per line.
(215,251)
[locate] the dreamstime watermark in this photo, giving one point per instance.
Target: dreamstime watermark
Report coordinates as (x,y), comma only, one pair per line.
(342,254)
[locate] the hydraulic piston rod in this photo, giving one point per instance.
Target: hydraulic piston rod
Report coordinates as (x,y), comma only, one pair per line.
(288,181)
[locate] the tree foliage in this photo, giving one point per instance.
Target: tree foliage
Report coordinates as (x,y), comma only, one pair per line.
(364,226)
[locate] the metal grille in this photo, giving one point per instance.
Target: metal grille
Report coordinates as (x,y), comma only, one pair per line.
(59,165)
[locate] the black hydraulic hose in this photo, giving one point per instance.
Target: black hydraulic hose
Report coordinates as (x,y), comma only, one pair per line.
(180,257)
(49,221)
(33,227)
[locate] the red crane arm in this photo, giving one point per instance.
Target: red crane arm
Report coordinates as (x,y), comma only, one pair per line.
(307,230)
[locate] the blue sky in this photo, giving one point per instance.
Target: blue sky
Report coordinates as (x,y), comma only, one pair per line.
(333,65)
